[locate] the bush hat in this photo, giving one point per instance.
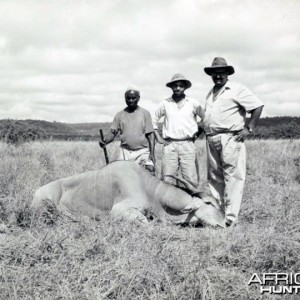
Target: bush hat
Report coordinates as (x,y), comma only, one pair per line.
(219,63)
(179,77)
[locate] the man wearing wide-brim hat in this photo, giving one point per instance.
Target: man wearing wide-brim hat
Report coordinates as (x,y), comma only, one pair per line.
(226,129)
(179,131)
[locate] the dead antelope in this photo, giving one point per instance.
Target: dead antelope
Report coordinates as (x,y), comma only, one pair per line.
(126,191)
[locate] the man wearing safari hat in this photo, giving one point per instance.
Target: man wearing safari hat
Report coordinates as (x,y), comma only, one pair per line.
(179,131)
(226,129)
(135,126)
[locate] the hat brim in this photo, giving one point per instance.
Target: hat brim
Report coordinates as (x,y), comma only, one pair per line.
(187,83)
(228,69)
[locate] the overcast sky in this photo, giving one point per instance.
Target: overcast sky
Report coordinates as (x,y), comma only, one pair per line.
(71,61)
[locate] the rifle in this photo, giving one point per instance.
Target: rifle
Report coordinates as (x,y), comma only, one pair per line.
(104,148)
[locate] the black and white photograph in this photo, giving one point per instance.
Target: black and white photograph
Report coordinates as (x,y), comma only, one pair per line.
(149,149)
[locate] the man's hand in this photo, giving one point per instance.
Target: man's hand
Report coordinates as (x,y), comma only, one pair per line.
(159,139)
(197,134)
(240,136)
(162,141)
(151,169)
(102,143)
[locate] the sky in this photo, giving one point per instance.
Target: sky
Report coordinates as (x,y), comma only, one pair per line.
(72,60)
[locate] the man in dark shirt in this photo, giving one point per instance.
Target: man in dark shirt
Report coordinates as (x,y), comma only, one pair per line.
(135,126)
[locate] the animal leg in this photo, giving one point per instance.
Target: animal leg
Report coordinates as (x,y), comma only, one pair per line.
(190,219)
(122,211)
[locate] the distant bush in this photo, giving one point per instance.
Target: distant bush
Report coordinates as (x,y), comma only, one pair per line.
(74,137)
(17,132)
(289,130)
(267,128)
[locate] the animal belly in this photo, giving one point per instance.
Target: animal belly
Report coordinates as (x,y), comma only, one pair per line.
(88,205)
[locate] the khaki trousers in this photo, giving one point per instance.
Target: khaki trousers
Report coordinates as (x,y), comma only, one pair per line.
(226,167)
(180,155)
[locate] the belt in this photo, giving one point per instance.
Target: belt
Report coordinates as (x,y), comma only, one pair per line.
(189,139)
(131,150)
(224,131)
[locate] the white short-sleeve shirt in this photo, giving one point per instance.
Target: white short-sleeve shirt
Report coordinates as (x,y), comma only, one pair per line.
(180,119)
(227,111)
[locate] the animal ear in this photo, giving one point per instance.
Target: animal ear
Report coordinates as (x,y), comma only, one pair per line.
(207,201)
(210,200)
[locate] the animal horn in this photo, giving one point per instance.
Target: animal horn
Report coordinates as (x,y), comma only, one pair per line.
(188,184)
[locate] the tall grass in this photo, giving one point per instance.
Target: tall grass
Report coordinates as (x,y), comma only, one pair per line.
(84,259)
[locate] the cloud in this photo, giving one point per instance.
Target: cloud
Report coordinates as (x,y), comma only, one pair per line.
(71,61)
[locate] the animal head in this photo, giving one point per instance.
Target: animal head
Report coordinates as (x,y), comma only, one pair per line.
(203,208)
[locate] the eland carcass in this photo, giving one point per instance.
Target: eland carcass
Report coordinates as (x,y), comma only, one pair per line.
(126,191)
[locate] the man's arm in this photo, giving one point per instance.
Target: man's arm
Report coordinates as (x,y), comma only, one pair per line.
(113,131)
(199,132)
(109,137)
(151,141)
(159,113)
(255,115)
(160,138)
(199,111)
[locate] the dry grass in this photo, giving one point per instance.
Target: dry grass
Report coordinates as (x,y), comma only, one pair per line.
(63,258)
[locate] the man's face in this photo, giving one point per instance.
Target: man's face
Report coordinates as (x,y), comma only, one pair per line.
(178,88)
(132,98)
(219,77)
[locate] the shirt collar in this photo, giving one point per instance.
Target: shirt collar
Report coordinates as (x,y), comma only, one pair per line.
(228,85)
(225,87)
(170,99)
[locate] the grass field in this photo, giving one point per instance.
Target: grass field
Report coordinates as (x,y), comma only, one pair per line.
(64,258)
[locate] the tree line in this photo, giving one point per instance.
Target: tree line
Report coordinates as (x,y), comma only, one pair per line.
(18,131)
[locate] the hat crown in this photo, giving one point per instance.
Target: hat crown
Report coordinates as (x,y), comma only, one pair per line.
(220,62)
(132,89)
(178,76)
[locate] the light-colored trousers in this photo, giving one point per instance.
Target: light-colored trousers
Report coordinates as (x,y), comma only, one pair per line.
(140,156)
(180,155)
(226,168)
